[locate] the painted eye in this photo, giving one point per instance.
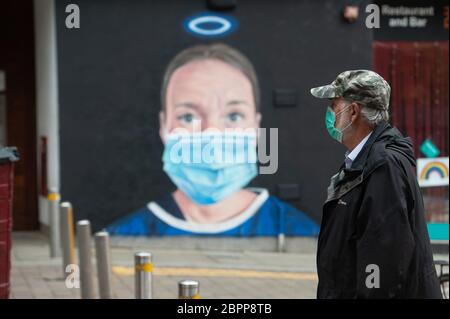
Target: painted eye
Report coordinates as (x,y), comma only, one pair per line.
(187,118)
(235,117)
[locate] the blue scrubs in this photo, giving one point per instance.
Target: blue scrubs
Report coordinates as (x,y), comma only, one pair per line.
(272,217)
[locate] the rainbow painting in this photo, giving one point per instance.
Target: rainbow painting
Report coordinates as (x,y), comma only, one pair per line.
(432,171)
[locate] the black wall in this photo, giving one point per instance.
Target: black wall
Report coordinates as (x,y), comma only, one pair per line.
(110,73)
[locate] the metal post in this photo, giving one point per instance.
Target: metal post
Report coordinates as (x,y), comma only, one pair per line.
(281,243)
(281,232)
(143,275)
(53,212)
(188,289)
(67,236)
(85,258)
(103,264)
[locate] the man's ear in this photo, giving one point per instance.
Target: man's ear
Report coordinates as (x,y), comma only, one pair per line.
(355,111)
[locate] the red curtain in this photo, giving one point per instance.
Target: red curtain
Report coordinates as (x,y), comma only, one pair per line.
(418,73)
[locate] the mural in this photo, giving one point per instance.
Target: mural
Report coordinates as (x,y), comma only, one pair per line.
(142,86)
(209,126)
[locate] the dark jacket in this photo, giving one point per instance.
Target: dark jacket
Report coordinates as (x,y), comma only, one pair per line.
(374,215)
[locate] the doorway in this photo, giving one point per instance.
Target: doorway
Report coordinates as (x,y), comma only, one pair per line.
(418,73)
(18,106)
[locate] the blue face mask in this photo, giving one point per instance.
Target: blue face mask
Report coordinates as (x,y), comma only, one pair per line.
(209,167)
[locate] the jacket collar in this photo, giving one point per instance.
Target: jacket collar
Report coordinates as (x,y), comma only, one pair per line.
(361,161)
(347,179)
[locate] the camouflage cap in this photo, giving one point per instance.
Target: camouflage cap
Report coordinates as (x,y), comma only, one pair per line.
(363,86)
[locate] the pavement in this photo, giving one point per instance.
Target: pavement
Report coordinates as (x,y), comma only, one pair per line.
(221,274)
(231,273)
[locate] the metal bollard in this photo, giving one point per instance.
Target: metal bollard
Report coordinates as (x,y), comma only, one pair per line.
(53,214)
(103,264)
(188,289)
(281,231)
(143,269)
(85,259)
(67,236)
(281,243)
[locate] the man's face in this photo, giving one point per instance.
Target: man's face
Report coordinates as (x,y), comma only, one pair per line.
(343,115)
(210,91)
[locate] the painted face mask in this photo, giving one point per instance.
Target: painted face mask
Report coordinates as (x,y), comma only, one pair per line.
(330,120)
(208,167)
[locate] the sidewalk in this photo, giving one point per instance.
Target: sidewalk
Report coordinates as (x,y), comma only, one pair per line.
(233,275)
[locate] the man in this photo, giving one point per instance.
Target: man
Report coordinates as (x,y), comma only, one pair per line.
(373,241)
